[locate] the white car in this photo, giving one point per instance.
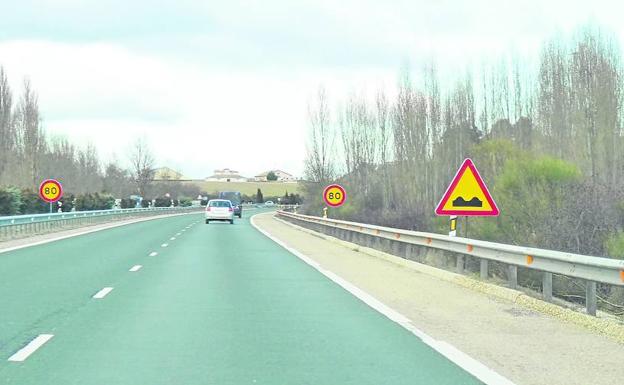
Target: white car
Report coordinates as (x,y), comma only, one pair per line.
(269,203)
(219,210)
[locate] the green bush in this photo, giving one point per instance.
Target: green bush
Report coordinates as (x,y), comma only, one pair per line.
(127,203)
(10,201)
(33,204)
(145,203)
(185,202)
(96,201)
(162,202)
(615,245)
(103,201)
(85,202)
(67,203)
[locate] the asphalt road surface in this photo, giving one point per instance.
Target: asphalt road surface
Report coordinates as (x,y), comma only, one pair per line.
(175,301)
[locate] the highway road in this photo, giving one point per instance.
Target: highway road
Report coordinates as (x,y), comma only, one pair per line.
(175,301)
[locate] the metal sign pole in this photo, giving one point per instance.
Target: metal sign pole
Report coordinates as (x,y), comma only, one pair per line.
(50,207)
(453,224)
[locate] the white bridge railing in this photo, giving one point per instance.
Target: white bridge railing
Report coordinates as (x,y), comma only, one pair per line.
(549,262)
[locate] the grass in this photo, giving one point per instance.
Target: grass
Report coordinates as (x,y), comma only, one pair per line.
(269,189)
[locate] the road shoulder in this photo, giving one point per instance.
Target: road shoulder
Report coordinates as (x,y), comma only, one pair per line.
(523,345)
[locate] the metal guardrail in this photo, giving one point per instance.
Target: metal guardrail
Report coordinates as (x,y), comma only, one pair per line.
(24,225)
(31,218)
(591,269)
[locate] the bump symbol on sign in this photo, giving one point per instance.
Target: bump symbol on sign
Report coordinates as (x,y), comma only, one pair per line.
(461,202)
(467,195)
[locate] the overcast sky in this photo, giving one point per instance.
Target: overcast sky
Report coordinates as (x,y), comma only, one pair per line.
(227,83)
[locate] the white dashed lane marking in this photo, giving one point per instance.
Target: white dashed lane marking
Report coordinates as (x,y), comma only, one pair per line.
(172,239)
(102,293)
(135,268)
(164,245)
(29,349)
(153,254)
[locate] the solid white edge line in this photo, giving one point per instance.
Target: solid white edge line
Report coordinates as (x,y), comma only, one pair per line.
(153,254)
(102,293)
(135,268)
(30,348)
(90,231)
(459,358)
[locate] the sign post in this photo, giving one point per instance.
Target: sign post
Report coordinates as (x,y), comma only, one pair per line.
(51,191)
(334,195)
(468,196)
(453,230)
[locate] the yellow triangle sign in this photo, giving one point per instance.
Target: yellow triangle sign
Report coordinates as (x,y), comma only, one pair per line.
(467,195)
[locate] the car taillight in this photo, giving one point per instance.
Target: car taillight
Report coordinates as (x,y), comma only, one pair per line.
(208,208)
(230,209)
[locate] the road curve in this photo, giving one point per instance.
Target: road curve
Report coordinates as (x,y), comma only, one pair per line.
(175,301)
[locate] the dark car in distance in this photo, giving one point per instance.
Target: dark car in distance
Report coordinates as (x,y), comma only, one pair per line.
(235,198)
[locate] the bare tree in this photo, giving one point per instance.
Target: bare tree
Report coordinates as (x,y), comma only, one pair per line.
(29,129)
(7,134)
(142,165)
(319,165)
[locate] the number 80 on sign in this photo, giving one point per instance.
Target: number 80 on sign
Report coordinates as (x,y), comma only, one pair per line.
(50,190)
(334,195)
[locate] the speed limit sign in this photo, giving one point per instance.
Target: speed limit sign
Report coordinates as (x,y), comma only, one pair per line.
(334,195)
(50,190)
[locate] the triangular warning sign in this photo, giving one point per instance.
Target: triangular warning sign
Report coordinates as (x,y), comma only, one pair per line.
(467,195)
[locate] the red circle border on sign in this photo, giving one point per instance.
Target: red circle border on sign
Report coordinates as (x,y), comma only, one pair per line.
(342,190)
(53,181)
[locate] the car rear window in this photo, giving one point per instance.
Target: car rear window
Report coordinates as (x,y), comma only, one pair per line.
(219,204)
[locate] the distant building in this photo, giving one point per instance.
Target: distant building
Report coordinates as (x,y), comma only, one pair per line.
(166,173)
(226,175)
(282,176)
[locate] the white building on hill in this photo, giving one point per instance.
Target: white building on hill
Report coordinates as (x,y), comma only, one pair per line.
(226,175)
(282,176)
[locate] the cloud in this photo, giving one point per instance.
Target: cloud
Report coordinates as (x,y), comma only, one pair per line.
(196,119)
(227,84)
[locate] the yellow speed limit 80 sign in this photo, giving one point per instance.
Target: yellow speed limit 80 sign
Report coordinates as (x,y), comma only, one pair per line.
(50,190)
(334,195)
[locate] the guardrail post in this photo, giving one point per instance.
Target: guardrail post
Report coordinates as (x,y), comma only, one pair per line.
(513,276)
(590,298)
(547,286)
(395,247)
(460,264)
(408,251)
(483,268)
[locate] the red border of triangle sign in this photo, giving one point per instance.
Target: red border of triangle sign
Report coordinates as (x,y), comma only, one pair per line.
(454,184)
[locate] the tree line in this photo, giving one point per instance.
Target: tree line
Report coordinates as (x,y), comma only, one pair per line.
(28,155)
(548,140)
